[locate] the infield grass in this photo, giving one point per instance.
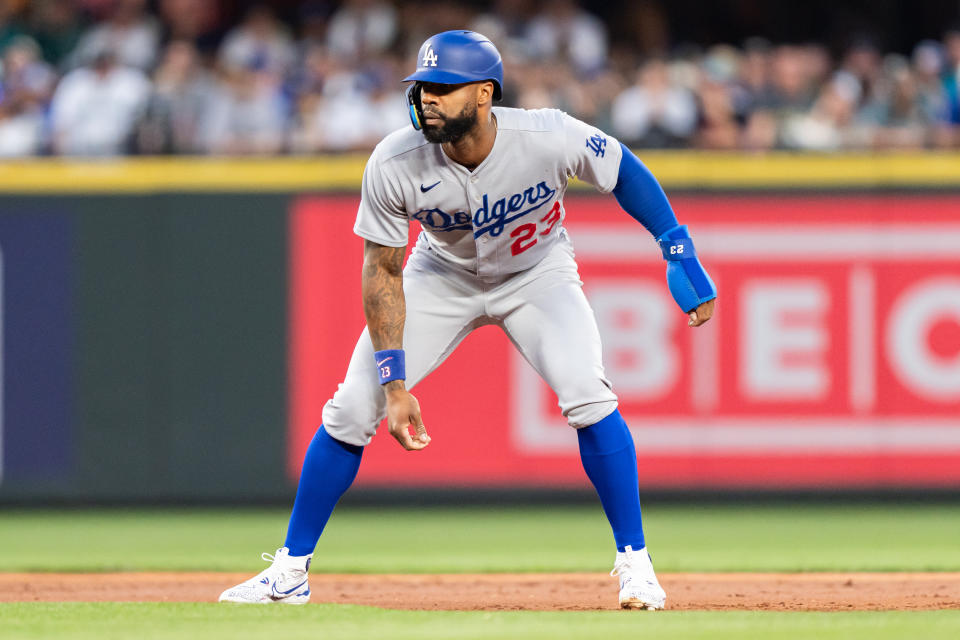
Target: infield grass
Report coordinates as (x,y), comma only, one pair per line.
(105,621)
(843,537)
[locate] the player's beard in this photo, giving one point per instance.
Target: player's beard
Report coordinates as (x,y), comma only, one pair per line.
(453,128)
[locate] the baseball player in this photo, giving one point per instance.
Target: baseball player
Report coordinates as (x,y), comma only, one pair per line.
(486,183)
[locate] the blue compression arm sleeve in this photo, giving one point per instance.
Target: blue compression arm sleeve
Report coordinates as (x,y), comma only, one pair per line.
(640,195)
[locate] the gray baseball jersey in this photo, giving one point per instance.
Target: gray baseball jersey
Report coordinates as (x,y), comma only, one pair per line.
(493,251)
(500,218)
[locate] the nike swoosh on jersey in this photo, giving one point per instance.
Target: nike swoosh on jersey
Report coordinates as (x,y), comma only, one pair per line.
(425,189)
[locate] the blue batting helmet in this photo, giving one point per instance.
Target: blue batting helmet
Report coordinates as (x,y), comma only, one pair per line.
(455,57)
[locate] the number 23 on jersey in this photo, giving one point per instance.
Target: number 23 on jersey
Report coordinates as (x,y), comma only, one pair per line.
(525,236)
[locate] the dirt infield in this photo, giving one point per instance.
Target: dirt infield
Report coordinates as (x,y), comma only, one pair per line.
(565,591)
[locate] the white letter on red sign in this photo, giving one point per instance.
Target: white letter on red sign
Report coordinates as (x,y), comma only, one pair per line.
(636,324)
(783,340)
(913,314)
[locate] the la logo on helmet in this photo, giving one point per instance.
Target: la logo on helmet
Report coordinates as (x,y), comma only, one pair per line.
(429,58)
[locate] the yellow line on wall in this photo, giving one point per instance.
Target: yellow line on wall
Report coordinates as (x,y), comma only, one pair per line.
(684,170)
(787,170)
(147,175)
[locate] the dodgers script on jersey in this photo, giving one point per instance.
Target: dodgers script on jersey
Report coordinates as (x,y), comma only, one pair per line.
(500,218)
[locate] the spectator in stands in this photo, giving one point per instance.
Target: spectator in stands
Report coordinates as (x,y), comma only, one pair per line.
(307,85)
(327,88)
(246,114)
(57,28)
(352,112)
(388,104)
(533,88)
(648,25)
(563,30)
(929,61)
(27,80)
(793,83)
(827,126)
(362,28)
(864,62)
(755,75)
(718,127)
(96,108)
(314,17)
(25,90)
(132,34)
(756,97)
(181,94)
(951,84)
(894,117)
(654,112)
(12,24)
(193,21)
(260,43)
(544,85)
(817,64)
(592,97)
(506,24)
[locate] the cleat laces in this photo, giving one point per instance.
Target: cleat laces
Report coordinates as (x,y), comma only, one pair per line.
(279,571)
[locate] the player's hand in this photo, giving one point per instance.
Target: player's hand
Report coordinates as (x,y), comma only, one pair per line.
(701,314)
(403,414)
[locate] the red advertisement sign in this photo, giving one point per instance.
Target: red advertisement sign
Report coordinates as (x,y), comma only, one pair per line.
(833,360)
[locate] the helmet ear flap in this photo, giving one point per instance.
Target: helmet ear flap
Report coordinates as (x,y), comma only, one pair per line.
(414,105)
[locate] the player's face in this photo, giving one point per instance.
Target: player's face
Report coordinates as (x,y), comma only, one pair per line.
(449,110)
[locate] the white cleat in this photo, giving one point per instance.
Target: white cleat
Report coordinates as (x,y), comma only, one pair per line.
(284,581)
(639,588)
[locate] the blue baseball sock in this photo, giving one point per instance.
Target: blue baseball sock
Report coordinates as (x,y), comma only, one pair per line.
(328,471)
(610,460)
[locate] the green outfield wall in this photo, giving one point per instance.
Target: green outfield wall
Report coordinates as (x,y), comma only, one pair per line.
(172,378)
(145,309)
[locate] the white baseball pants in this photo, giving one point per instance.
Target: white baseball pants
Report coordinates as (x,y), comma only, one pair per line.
(542,310)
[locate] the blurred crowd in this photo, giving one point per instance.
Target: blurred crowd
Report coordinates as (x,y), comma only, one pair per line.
(109,77)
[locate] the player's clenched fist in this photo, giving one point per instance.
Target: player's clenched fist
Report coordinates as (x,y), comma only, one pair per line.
(701,314)
(403,413)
